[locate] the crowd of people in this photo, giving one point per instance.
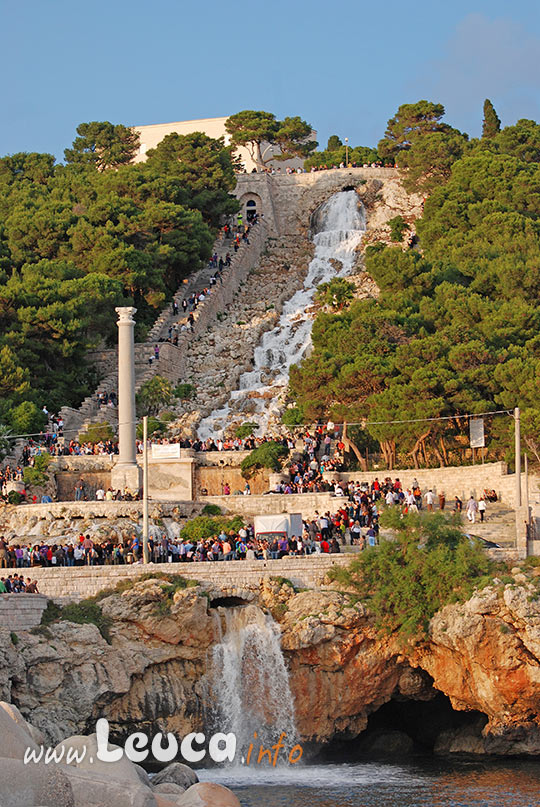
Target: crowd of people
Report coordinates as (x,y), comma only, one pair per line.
(355,523)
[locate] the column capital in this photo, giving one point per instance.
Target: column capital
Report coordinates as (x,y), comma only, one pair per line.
(126,315)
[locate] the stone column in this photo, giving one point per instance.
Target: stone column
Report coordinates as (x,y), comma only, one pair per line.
(126,472)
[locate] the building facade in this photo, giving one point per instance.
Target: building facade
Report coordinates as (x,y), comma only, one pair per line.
(154,133)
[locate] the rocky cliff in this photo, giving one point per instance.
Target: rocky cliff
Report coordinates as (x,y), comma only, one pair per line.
(473,685)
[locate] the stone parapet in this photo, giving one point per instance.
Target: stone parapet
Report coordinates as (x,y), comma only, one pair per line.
(274,503)
(76,583)
(21,611)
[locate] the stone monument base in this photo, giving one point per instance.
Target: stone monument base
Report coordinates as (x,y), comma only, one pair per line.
(126,476)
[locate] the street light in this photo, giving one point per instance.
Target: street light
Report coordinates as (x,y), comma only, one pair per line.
(346,152)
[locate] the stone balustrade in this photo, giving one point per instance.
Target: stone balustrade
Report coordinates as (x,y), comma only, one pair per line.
(75,583)
(21,611)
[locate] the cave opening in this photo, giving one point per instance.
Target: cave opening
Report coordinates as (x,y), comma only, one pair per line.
(349,188)
(402,727)
(228,602)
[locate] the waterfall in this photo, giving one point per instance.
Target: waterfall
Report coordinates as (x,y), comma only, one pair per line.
(339,225)
(249,681)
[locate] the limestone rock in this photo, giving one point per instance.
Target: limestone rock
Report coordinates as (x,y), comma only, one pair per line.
(208,794)
(15,738)
(169,788)
(176,773)
(27,785)
(122,771)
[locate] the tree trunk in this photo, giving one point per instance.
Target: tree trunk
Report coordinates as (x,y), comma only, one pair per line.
(350,445)
(444,452)
(416,448)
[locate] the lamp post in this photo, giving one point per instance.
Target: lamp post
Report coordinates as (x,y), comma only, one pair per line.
(146,557)
(346,152)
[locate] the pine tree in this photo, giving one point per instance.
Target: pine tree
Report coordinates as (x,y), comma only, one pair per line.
(491,124)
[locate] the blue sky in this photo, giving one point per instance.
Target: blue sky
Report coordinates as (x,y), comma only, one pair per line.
(345,67)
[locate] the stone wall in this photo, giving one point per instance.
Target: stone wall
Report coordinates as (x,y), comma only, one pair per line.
(274,503)
(288,201)
(85,581)
(21,611)
(459,481)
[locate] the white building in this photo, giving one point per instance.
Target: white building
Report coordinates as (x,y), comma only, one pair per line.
(153,134)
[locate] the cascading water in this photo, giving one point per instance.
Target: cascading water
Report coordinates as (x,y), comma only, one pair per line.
(250,682)
(340,225)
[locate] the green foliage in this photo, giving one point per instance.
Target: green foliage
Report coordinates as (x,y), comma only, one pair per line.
(167,417)
(78,240)
(455,327)
(36,474)
(87,612)
(96,432)
(267,455)
(336,153)
(397,226)
(211,510)
(184,391)
(202,527)
(51,613)
(491,124)
(336,293)
(5,441)
(334,142)
(246,430)
(103,145)
(423,147)
(27,418)
(251,129)
(14,497)
(405,581)
(155,426)
(293,416)
(14,638)
(153,395)
(82,613)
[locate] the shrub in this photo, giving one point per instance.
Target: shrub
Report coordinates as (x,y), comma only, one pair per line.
(35,474)
(184,391)
(294,416)
(128,584)
(167,417)
(407,580)
(397,226)
(205,527)
(82,613)
(27,418)
(14,497)
(14,638)
(153,395)
(267,455)
(246,430)
(96,432)
(155,426)
(336,293)
(211,510)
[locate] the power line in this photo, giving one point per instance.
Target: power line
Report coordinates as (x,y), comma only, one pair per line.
(310,423)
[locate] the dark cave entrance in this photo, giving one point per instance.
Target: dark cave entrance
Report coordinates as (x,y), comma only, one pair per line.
(403,727)
(228,602)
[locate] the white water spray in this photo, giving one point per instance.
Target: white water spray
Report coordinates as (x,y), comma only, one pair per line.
(340,225)
(250,681)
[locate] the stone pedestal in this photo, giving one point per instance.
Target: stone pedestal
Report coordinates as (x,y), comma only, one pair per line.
(126,473)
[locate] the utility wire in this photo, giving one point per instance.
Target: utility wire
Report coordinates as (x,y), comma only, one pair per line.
(337,423)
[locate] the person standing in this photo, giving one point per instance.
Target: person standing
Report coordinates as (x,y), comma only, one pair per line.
(430,499)
(482,508)
(472,509)
(442,500)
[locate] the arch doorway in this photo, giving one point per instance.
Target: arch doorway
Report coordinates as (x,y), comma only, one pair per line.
(251,209)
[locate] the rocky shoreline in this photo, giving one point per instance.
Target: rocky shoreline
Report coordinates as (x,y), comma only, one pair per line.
(482,658)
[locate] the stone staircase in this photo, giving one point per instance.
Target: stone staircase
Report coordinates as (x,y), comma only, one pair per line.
(499,526)
(77,420)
